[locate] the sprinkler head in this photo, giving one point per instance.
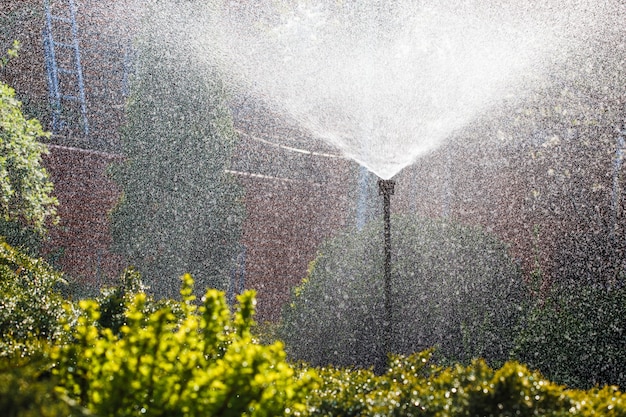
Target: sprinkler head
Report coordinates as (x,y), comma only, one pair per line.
(385,187)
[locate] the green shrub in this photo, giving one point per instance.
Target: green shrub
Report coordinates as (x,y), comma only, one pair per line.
(30,304)
(453,287)
(577,336)
(27,389)
(180,211)
(113,301)
(25,189)
(198,362)
(413,386)
(22,237)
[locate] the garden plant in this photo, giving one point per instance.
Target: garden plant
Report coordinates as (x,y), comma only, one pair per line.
(453,286)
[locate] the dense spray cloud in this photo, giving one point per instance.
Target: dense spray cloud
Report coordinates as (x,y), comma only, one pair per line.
(387,82)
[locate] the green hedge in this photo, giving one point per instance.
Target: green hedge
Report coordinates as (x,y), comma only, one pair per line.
(576,335)
(30,303)
(453,286)
(27,389)
(190,361)
(414,387)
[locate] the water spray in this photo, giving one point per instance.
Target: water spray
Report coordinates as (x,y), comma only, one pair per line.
(386,189)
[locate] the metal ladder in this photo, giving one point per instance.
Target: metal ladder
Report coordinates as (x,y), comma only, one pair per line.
(618,162)
(63,67)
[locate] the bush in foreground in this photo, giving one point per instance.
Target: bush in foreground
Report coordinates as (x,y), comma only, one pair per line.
(181,359)
(195,362)
(414,387)
(577,335)
(30,304)
(28,390)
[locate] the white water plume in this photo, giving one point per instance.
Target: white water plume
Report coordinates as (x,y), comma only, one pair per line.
(385,82)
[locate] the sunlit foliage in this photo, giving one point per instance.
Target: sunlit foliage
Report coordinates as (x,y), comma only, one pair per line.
(25,190)
(30,303)
(203,363)
(188,359)
(412,386)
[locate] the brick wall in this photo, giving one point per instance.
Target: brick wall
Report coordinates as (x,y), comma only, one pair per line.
(286,222)
(82,238)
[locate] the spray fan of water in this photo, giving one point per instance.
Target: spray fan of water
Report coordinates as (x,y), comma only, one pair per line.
(384,82)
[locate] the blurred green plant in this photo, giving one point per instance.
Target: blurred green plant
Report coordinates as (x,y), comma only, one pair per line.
(11,53)
(453,286)
(22,237)
(202,362)
(113,301)
(413,386)
(25,191)
(576,335)
(30,302)
(27,389)
(181,212)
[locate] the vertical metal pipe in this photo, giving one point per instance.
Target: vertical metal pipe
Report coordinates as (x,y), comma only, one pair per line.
(386,189)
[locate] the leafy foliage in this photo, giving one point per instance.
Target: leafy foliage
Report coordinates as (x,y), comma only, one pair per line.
(23,237)
(204,362)
(25,191)
(12,53)
(30,304)
(181,211)
(414,387)
(113,301)
(576,335)
(453,287)
(27,389)
(178,358)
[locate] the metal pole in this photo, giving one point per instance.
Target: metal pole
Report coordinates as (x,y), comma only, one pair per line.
(386,188)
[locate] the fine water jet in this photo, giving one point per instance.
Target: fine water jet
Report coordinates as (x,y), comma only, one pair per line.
(385,84)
